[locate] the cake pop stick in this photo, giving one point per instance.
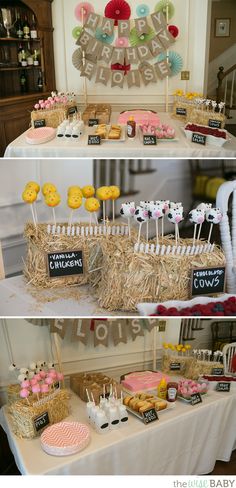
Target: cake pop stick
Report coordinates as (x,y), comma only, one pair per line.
(196,217)
(92,205)
(213,216)
(175,216)
(104,193)
(30,196)
(141,215)
(128,210)
(52,200)
(115,193)
(36,390)
(156,212)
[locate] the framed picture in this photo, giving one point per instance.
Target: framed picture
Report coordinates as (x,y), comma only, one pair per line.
(222,28)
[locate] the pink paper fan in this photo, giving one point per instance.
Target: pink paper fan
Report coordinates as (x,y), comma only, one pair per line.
(117,10)
(83,6)
(122,42)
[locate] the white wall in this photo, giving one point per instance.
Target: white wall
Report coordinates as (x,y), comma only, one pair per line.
(191,17)
(29,343)
(170,181)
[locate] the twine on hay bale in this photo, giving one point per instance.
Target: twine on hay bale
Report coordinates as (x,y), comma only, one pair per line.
(129,277)
(23,415)
(40,243)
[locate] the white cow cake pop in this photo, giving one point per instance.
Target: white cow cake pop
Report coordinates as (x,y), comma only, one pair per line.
(156,212)
(204,206)
(213,216)
(141,215)
(175,216)
(197,217)
(127,210)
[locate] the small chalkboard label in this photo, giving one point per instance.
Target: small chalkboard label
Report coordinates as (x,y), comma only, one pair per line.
(217,371)
(150,416)
(56,385)
(65,263)
(223,386)
(207,281)
(175,366)
(196,398)
(199,138)
(150,140)
(39,123)
(181,111)
(94,140)
(72,110)
(93,122)
(41,421)
(216,124)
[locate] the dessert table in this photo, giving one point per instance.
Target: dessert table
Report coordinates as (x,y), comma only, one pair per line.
(19,299)
(131,148)
(186,440)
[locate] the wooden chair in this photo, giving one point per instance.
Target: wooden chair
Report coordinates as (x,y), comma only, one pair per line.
(228,233)
(223,332)
(228,353)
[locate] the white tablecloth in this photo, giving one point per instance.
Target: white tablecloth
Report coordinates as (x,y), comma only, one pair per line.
(131,148)
(185,440)
(16,299)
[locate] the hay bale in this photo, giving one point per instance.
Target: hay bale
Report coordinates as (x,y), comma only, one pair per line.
(13,393)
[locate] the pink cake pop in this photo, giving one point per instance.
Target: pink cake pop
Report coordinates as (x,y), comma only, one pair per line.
(37,377)
(52,374)
(44,388)
(49,380)
(34,381)
(24,393)
(25,384)
(42,374)
(60,376)
(36,389)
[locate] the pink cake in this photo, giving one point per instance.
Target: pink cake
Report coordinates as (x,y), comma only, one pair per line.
(65,438)
(140,116)
(40,135)
(144,380)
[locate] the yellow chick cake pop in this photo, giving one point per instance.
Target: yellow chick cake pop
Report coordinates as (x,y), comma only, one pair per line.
(48,188)
(52,200)
(74,190)
(30,196)
(92,205)
(88,191)
(74,201)
(33,185)
(115,193)
(104,193)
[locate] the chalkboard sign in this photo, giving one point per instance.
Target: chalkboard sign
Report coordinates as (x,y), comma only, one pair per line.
(65,263)
(217,371)
(94,140)
(56,385)
(72,110)
(41,421)
(207,281)
(175,366)
(93,122)
(39,123)
(216,124)
(150,140)
(150,416)
(181,111)
(199,138)
(223,386)
(196,398)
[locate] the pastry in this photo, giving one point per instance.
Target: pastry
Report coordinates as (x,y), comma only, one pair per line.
(160,405)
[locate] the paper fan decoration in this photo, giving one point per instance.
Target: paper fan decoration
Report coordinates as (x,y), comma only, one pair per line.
(122,42)
(102,36)
(77,58)
(173,29)
(161,7)
(117,10)
(82,10)
(136,40)
(142,10)
(76,31)
(175,62)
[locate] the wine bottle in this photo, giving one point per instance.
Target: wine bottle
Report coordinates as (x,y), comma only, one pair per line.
(23,82)
(23,58)
(35,56)
(19,27)
(26,28)
(40,82)
(33,29)
(20,48)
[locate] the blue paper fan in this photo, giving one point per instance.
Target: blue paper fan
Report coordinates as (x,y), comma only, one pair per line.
(161,7)
(103,37)
(142,10)
(175,62)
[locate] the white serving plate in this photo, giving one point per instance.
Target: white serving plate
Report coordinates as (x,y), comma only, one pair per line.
(141,134)
(65,438)
(211,140)
(45,134)
(170,406)
(146,309)
(122,137)
(186,400)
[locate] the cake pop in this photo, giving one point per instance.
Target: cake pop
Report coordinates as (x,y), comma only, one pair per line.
(156,212)
(24,393)
(48,188)
(30,196)
(196,217)
(92,205)
(213,216)
(141,215)
(33,185)
(175,216)
(127,210)
(115,193)
(52,200)
(72,190)
(104,193)
(74,202)
(88,191)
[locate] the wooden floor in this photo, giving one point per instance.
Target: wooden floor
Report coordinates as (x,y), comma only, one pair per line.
(8,466)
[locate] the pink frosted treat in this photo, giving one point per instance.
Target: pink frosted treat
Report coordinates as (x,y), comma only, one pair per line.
(24,393)
(44,388)
(43,374)
(60,376)
(36,388)
(141,117)
(25,384)
(145,380)
(52,374)
(49,380)
(34,381)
